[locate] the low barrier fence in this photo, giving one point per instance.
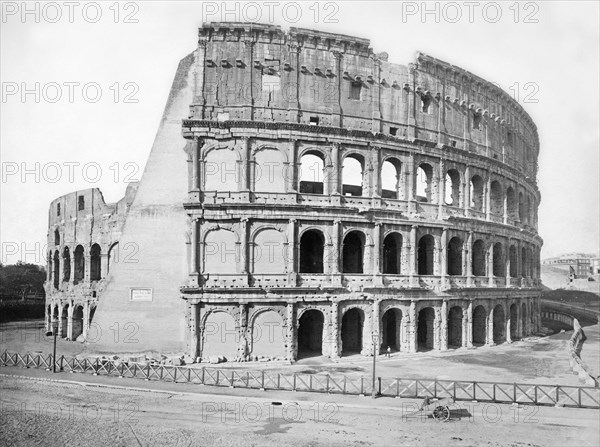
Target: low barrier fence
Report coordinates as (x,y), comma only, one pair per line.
(521,393)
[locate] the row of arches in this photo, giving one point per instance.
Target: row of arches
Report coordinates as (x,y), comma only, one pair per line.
(269,332)
(72,321)
(74,265)
(272,172)
(270,254)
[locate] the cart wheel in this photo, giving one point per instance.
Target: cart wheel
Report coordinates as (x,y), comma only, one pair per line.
(441,413)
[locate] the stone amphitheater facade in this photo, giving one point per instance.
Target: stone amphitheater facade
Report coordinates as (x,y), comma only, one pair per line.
(305,196)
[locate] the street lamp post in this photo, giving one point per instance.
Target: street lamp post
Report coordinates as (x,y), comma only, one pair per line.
(375,336)
(55,333)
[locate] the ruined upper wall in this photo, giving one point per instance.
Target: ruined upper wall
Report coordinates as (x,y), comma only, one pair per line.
(263,73)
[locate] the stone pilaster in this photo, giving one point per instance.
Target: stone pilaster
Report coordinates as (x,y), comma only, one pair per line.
(412,327)
(489,326)
(375,324)
(291,346)
(444,326)
(334,347)
(194,342)
(467,250)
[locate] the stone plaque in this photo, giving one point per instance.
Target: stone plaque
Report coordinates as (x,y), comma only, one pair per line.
(141,294)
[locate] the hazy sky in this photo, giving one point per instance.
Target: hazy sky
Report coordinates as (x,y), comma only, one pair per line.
(85,72)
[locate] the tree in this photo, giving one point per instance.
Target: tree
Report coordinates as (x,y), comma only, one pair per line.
(19,280)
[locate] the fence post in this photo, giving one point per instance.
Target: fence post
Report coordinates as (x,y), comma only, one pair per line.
(434,387)
(294,381)
(344,384)
(262,386)
(218,370)
(278,381)
(379,386)
(147,371)
(362,392)
(397,387)
(189,376)
(474,389)
(557,394)
(175,375)
(514,391)
(535,393)
(203,374)
(62,359)
(494,392)
(310,382)
(579,396)
(232,379)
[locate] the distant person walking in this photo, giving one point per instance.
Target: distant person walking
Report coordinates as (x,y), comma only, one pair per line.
(388,352)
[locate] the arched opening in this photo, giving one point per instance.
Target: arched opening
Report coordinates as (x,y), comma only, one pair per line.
(511,208)
(524,262)
(391,322)
(455,247)
(390,178)
(92,312)
(66,265)
(310,333)
(77,322)
(221,170)
(477,193)
(496,199)
(424,181)
(527,210)
(425,255)
(113,256)
(79,265)
(64,321)
(524,319)
(268,335)
(352,329)
(425,329)
(352,176)
(312,168)
(452,188)
(49,317)
(514,322)
(521,208)
(479,318)
(56,270)
(312,245)
(269,252)
(56,237)
(392,247)
(512,255)
(352,252)
(270,174)
(498,260)
(499,324)
(220,336)
(478,259)
(455,318)
(95,273)
(222,253)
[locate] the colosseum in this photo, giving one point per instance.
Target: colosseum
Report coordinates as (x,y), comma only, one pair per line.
(304,196)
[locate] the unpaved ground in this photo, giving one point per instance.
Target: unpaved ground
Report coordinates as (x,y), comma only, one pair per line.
(535,360)
(35,413)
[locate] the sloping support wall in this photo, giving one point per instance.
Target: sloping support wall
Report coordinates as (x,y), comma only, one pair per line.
(153,245)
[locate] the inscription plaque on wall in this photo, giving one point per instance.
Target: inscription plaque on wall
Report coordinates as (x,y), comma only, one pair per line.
(140,294)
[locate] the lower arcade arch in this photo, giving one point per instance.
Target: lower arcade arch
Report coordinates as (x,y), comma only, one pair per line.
(523,318)
(425,331)
(352,329)
(268,335)
(220,336)
(499,329)
(391,324)
(310,333)
(479,326)
(455,317)
(64,321)
(514,322)
(77,324)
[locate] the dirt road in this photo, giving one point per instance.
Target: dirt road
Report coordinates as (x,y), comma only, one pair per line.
(36,413)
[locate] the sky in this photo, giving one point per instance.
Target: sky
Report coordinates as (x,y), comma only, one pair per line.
(84,85)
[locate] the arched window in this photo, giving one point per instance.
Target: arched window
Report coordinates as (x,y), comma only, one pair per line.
(512,255)
(221,170)
(390,179)
(56,237)
(498,260)
(270,171)
(95,273)
(352,176)
(66,265)
(524,263)
(392,246)
(511,206)
(221,252)
(478,259)
(352,252)
(424,180)
(269,252)
(521,208)
(312,173)
(425,255)
(56,270)
(477,193)
(496,199)
(79,272)
(312,245)
(455,247)
(452,188)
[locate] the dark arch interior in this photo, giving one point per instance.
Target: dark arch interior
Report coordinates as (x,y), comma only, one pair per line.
(425,255)
(310,334)
(479,317)
(352,326)
(425,329)
(352,254)
(391,254)
(391,321)
(311,252)
(499,325)
(455,317)
(455,256)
